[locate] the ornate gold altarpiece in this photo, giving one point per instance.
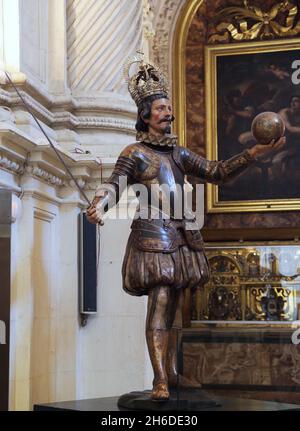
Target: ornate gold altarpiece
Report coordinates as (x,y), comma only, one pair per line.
(250,282)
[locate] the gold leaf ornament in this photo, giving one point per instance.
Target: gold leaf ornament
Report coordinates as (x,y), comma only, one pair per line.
(237,23)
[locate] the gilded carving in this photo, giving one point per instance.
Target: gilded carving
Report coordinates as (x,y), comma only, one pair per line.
(224,304)
(252,23)
(248,283)
(272,302)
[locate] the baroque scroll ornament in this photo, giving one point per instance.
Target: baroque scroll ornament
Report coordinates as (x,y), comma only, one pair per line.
(251,22)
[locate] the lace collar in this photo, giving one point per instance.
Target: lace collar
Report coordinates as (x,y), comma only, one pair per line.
(166,140)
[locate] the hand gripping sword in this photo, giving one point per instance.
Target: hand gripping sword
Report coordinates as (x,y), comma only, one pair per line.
(81,191)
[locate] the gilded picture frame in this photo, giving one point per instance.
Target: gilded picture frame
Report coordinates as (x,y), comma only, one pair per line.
(242,80)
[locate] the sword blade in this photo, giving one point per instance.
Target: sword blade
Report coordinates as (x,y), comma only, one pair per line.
(81,191)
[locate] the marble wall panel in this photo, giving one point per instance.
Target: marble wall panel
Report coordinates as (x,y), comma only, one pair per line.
(242,363)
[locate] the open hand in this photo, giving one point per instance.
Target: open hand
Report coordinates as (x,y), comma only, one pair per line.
(260,150)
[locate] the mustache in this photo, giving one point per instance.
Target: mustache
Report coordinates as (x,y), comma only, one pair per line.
(169,119)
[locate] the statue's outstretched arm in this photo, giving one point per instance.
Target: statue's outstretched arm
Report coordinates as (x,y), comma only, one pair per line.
(213,171)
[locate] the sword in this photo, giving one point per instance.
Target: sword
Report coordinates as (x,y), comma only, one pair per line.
(81,191)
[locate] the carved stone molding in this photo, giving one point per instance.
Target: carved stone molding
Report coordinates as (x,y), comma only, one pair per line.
(166,14)
(11,165)
(70,183)
(148,17)
(42,174)
(68,119)
(38,172)
(6,115)
(22,154)
(91,185)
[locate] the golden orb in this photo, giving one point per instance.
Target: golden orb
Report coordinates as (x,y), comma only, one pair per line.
(267,126)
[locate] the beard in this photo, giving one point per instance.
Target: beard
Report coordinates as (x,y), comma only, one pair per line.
(167,129)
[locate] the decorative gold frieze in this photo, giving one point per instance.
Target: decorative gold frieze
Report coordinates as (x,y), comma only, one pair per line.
(271,303)
(252,23)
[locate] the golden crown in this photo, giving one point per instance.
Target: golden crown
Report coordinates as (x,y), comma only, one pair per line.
(147,81)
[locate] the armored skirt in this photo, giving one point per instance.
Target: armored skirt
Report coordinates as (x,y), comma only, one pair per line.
(143,270)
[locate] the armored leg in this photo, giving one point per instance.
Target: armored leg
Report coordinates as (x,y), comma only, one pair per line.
(174,344)
(159,319)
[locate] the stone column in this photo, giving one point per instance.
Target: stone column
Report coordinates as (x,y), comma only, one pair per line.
(5,266)
(22,300)
(100,37)
(57,48)
(34,41)
(9,35)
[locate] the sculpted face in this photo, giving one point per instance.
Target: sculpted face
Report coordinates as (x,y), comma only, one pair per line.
(160,119)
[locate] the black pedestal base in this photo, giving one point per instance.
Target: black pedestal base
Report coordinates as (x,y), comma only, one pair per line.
(184,400)
(110,404)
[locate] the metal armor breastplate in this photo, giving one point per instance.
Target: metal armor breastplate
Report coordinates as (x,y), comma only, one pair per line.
(164,181)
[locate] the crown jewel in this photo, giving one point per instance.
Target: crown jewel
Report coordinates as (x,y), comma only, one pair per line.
(147,81)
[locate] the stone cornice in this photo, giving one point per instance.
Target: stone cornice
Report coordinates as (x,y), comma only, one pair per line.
(11,164)
(21,155)
(38,172)
(109,101)
(108,111)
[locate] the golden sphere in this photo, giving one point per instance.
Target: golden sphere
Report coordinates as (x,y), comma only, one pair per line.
(267,126)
